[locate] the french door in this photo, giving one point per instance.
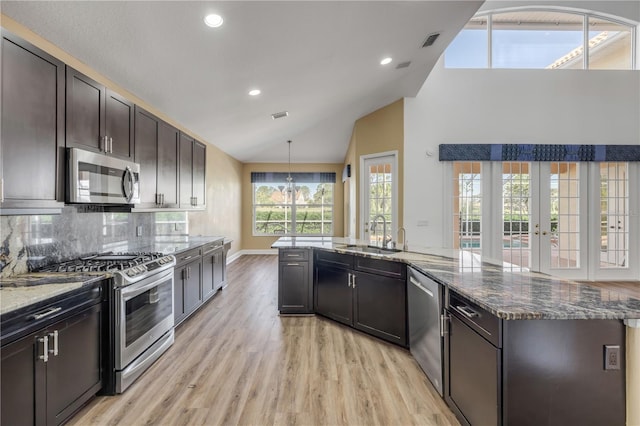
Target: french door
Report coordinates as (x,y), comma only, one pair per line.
(568,219)
(379,197)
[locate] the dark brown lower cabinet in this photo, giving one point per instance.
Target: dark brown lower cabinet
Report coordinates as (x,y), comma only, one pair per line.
(374,302)
(295,282)
(187,294)
(531,372)
(48,391)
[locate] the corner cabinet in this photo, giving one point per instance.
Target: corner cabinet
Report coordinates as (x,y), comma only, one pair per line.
(295,281)
(530,372)
(193,155)
(98,119)
(367,294)
(156,150)
(33,114)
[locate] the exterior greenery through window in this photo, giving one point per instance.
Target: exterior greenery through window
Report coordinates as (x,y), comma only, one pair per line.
(303,208)
(543,39)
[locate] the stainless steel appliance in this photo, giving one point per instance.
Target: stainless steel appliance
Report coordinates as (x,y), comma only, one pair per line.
(426,331)
(95,178)
(139,312)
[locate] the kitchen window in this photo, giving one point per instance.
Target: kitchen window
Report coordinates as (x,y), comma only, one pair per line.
(301,206)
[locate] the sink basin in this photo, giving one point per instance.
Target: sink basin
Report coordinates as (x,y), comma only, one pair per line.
(370,249)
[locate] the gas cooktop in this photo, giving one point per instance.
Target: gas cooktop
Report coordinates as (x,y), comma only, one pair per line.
(106,262)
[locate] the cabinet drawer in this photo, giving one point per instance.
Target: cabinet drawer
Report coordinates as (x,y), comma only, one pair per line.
(336,259)
(187,256)
(479,319)
(294,254)
(211,246)
(381,267)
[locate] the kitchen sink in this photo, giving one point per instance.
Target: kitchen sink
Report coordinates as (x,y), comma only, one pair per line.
(370,249)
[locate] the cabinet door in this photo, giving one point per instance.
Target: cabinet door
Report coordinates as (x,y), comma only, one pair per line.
(333,295)
(186,170)
(293,287)
(74,372)
(146,154)
(119,125)
(179,277)
(193,286)
(208,265)
(199,184)
(22,374)
(380,307)
(472,376)
(167,163)
(86,104)
(32,125)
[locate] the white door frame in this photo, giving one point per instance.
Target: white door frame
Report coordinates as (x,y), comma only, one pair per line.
(364,190)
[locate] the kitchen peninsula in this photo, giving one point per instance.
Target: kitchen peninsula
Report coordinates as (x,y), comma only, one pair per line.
(551,365)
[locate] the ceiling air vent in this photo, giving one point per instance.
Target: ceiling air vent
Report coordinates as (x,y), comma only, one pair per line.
(404,64)
(280,114)
(431,38)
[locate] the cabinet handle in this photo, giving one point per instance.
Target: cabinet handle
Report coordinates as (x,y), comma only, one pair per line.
(466,311)
(293,255)
(111,145)
(349,280)
(1,190)
(443,325)
(353,281)
(54,336)
(162,199)
(188,257)
(45,313)
(45,348)
(293,264)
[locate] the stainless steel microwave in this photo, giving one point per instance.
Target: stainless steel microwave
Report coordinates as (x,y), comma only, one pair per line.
(95,178)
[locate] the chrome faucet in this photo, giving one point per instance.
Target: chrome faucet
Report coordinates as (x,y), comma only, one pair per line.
(404,238)
(374,225)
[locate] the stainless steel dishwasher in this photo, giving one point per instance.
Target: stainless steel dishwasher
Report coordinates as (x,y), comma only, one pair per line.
(425,325)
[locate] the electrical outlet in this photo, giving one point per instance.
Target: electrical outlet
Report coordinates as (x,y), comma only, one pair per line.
(139,230)
(612,357)
(423,223)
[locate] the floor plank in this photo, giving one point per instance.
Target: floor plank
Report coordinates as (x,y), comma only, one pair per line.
(236,361)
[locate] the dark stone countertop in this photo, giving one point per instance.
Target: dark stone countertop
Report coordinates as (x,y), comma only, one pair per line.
(493,286)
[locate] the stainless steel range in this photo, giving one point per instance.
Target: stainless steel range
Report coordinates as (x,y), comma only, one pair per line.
(139,306)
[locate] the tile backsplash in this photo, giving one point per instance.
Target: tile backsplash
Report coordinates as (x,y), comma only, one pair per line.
(31,242)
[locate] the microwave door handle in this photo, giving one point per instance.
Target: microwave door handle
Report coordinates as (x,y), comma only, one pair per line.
(127,184)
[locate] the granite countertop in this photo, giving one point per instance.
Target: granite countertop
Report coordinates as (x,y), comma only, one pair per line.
(510,295)
(28,289)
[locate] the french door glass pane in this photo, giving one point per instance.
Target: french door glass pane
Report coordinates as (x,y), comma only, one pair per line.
(564,216)
(614,215)
(380,201)
(516,214)
(467,206)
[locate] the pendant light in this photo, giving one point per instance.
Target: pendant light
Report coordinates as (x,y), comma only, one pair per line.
(289,178)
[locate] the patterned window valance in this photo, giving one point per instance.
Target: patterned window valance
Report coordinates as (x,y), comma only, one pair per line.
(279,177)
(536,152)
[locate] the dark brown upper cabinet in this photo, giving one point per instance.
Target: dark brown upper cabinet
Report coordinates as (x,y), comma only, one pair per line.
(98,119)
(192,173)
(32,135)
(156,150)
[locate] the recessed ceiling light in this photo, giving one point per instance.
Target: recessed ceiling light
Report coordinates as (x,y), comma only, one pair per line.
(385,61)
(213,20)
(254,92)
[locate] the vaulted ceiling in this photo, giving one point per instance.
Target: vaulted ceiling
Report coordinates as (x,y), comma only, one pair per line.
(318,60)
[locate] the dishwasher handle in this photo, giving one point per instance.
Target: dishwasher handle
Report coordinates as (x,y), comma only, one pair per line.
(466,311)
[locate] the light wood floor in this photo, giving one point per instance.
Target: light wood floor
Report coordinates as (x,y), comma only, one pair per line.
(237,362)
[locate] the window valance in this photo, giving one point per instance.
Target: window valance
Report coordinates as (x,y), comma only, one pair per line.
(279,177)
(538,152)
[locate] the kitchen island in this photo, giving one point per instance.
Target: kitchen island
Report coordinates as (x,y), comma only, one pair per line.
(515,298)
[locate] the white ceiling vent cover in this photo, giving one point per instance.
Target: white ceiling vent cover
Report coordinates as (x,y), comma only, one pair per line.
(280,114)
(431,38)
(404,64)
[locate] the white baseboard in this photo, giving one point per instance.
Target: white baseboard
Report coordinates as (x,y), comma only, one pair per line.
(239,253)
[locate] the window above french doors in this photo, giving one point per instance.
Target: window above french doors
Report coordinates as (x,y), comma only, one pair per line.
(576,220)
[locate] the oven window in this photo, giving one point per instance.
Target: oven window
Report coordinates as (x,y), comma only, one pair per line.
(146,310)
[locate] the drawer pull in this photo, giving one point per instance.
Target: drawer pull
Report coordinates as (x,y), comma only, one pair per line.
(45,313)
(293,255)
(467,311)
(293,264)
(187,258)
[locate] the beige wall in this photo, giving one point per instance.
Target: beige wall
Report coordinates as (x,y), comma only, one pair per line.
(380,131)
(250,242)
(224,173)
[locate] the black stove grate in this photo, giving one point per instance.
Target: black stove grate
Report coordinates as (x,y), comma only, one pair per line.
(104,262)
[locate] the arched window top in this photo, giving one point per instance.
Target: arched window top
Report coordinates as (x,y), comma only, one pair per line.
(544,38)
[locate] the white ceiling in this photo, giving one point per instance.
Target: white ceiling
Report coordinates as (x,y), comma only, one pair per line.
(317,60)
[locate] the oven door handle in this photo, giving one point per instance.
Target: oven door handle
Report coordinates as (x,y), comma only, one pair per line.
(132,291)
